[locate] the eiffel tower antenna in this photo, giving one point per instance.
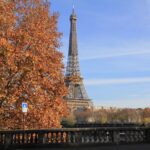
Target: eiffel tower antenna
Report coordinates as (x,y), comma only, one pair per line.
(73,9)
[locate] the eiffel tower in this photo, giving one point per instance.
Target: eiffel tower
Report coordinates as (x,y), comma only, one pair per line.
(77,97)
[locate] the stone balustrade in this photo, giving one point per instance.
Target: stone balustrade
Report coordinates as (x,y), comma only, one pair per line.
(75,136)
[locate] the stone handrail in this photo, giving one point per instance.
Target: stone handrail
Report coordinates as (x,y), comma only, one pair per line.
(75,136)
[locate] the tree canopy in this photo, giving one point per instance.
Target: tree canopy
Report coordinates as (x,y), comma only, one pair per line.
(31,68)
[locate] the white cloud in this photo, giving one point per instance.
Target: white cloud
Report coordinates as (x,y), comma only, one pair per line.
(117,81)
(115,55)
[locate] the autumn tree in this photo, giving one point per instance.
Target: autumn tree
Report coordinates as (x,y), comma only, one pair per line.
(120,115)
(83,115)
(146,116)
(70,120)
(100,116)
(31,68)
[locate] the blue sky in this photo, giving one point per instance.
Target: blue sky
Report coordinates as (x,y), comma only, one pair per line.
(114,48)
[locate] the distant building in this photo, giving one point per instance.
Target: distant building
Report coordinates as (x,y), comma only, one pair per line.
(77,97)
(108,108)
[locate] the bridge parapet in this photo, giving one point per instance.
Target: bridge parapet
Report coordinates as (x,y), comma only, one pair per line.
(75,136)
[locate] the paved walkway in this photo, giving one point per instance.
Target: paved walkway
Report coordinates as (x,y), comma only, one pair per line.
(114,147)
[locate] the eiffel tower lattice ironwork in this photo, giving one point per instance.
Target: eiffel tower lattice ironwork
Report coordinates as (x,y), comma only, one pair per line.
(77,96)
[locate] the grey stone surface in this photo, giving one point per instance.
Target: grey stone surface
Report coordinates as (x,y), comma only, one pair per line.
(113,147)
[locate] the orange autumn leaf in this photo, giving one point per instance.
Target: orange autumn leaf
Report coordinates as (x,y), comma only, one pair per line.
(31,67)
